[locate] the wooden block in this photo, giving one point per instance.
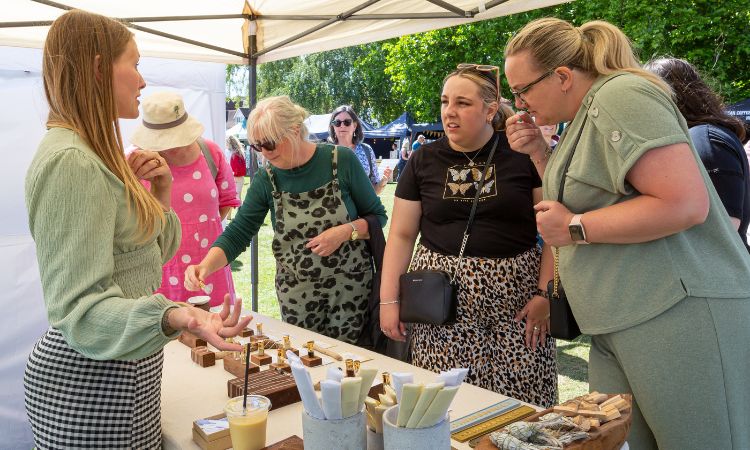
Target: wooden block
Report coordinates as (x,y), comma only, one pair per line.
(246,332)
(594,423)
(588,405)
(612,415)
(284,367)
(191,340)
(566,410)
(278,387)
(311,361)
(614,399)
(237,367)
(622,405)
(257,337)
(609,408)
(260,360)
(601,415)
(290,443)
(595,397)
(582,423)
(293,350)
(203,356)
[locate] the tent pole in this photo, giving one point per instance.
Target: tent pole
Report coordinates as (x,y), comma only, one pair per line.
(252,60)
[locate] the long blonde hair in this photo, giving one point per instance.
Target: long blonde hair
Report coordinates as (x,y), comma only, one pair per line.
(487,92)
(596,47)
(81,102)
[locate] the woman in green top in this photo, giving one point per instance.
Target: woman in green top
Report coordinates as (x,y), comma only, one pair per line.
(317,195)
(652,266)
(94,378)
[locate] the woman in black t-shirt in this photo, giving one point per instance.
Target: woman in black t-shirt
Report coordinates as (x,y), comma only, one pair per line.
(501,328)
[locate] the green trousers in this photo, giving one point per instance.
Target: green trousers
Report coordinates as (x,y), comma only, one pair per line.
(689,372)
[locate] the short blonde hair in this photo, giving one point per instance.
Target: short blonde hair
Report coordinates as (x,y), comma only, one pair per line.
(596,47)
(273,118)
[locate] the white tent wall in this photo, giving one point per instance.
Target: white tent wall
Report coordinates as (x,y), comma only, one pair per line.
(22,125)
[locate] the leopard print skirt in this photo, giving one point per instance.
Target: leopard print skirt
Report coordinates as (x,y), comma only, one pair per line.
(485,338)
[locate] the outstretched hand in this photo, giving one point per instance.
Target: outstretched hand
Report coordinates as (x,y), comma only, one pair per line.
(213,327)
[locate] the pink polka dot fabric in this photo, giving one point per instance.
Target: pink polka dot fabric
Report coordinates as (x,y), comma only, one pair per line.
(196,198)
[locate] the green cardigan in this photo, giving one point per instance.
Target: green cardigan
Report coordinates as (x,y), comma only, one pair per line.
(356,192)
(98,279)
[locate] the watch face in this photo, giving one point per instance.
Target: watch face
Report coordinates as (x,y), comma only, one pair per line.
(355,235)
(576,233)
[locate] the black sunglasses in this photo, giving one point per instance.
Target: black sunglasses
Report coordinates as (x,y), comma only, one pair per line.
(270,146)
(337,123)
(493,71)
(517,94)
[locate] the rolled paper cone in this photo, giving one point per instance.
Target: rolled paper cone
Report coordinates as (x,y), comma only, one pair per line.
(428,395)
(409,396)
(306,392)
(378,416)
(333,373)
(370,405)
(368,376)
(439,407)
(390,393)
(330,394)
(385,400)
(291,357)
(350,396)
(461,372)
(400,379)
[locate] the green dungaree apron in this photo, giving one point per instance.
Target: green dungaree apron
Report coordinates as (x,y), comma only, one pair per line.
(325,294)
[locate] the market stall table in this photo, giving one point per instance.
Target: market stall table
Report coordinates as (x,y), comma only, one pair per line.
(191,392)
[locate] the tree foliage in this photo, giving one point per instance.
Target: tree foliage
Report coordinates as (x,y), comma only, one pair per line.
(383,79)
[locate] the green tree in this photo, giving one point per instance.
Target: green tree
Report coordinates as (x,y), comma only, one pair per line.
(383,79)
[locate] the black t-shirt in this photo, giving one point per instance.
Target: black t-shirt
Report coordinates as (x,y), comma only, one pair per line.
(445,182)
(726,162)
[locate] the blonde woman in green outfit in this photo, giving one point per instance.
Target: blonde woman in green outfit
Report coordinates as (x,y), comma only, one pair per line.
(652,266)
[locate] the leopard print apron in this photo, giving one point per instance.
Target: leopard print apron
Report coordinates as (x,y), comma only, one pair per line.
(485,338)
(325,294)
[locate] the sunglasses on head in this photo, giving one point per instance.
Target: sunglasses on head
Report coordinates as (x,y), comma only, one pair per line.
(269,146)
(337,123)
(484,68)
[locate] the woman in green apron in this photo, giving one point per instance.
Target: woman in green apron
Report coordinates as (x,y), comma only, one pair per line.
(317,195)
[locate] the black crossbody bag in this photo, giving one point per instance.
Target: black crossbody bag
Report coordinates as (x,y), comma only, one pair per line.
(431,296)
(562,323)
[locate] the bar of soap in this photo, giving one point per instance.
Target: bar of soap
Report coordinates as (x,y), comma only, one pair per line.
(350,387)
(428,395)
(439,407)
(409,395)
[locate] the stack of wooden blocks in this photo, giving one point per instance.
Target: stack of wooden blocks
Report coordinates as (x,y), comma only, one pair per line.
(592,410)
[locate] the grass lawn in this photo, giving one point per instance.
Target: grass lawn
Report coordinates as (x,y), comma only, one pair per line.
(572,357)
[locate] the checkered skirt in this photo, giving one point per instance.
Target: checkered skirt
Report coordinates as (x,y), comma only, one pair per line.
(76,402)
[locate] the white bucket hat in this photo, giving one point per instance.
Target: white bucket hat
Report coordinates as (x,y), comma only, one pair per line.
(165,123)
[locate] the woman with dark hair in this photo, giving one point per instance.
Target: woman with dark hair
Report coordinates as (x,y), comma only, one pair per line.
(345,129)
(717,136)
(500,333)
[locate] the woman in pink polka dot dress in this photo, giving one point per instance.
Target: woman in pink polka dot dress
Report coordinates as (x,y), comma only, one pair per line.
(200,199)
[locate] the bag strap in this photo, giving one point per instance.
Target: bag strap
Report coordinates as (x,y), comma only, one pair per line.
(209,157)
(467,232)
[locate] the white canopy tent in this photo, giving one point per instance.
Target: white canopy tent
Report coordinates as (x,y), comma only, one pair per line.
(220,31)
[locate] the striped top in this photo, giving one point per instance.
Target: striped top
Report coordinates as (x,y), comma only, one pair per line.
(98,279)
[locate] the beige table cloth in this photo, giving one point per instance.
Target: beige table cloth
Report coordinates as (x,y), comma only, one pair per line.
(191,392)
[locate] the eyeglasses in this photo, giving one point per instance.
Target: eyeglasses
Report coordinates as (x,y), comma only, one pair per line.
(484,68)
(337,123)
(269,146)
(519,93)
